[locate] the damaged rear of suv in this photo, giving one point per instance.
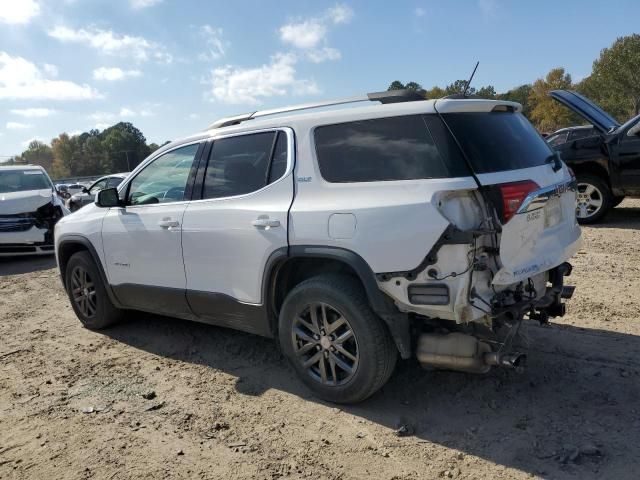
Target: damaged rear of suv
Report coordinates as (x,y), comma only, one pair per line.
(29,210)
(412,227)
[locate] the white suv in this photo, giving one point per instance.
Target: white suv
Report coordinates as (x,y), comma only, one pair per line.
(352,235)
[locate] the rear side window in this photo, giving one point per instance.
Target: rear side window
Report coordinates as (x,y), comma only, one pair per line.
(382,149)
(243,164)
(497,141)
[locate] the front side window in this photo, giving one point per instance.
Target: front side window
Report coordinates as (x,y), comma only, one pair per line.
(244,164)
(165,179)
(113,182)
(99,185)
(382,149)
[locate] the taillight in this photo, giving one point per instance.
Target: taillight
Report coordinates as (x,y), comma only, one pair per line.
(513,194)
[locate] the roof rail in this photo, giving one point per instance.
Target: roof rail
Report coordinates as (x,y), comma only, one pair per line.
(393,96)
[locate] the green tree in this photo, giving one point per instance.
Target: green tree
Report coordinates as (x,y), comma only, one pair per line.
(38,153)
(547,114)
(64,156)
(124,146)
(457,88)
(396,85)
(487,92)
(435,92)
(614,82)
(518,94)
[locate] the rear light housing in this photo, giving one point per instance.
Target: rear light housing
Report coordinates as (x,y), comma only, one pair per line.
(511,196)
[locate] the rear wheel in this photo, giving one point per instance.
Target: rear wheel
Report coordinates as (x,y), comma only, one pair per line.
(87,292)
(340,349)
(594,199)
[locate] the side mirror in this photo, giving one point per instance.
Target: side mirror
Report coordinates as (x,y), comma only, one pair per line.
(85,190)
(108,198)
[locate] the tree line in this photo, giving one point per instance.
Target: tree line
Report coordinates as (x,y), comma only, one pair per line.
(614,84)
(119,148)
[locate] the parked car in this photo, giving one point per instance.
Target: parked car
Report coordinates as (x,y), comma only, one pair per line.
(606,164)
(353,235)
(29,209)
(569,134)
(87,195)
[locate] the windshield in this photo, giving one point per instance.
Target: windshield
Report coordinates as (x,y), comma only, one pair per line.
(498,141)
(23,180)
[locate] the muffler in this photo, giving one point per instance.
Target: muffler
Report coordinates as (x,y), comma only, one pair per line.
(458,351)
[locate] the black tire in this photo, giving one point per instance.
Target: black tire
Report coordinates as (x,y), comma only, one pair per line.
(375,351)
(617,201)
(601,192)
(92,305)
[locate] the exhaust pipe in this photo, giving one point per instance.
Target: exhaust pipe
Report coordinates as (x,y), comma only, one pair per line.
(458,351)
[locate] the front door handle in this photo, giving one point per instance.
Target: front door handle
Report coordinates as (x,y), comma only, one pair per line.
(265,222)
(168,223)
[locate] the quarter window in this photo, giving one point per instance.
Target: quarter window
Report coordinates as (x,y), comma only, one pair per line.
(383,149)
(243,164)
(165,179)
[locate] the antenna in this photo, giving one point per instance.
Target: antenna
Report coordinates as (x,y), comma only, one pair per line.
(466,87)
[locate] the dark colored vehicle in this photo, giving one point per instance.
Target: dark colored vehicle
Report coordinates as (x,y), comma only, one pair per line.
(87,195)
(606,164)
(570,134)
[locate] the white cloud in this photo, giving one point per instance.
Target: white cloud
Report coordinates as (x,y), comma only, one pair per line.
(194,116)
(33,112)
(17,126)
(230,84)
(102,126)
(322,54)
(216,46)
(111,74)
(340,14)
(307,34)
(310,35)
(124,112)
(111,43)
(50,70)
(18,11)
(21,80)
(138,4)
(420,12)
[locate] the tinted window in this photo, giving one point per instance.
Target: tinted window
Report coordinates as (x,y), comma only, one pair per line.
(581,133)
(163,180)
(279,162)
(238,165)
(557,138)
(395,148)
(498,141)
(113,182)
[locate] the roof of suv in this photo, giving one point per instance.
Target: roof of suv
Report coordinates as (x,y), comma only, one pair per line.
(316,114)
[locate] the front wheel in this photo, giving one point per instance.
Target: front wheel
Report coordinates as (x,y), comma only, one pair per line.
(594,199)
(87,292)
(339,348)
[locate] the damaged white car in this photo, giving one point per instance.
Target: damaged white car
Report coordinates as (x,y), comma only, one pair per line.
(29,209)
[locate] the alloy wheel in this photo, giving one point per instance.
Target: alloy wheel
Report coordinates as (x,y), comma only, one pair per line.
(589,200)
(325,345)
(83,291)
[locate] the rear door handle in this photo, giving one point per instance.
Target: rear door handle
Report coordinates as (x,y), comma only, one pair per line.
(265,222)
(168,223)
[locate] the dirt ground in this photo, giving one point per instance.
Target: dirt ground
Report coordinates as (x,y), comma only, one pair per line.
(162,398)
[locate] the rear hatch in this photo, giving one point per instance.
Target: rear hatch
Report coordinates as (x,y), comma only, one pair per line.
(532,192)
(588,110)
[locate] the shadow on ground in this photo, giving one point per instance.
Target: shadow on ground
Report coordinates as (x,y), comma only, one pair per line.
(620,217)
(27,264)
(573,414)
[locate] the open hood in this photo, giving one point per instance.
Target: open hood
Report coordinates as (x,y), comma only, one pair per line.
(28,201)
(588,110)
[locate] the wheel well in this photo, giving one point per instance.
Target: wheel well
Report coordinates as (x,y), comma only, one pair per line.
(295,271)
(65,251)
(593,169)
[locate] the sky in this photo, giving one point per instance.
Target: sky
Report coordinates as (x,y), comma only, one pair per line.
(171,67)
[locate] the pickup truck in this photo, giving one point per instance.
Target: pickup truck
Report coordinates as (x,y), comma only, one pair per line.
(606,163)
